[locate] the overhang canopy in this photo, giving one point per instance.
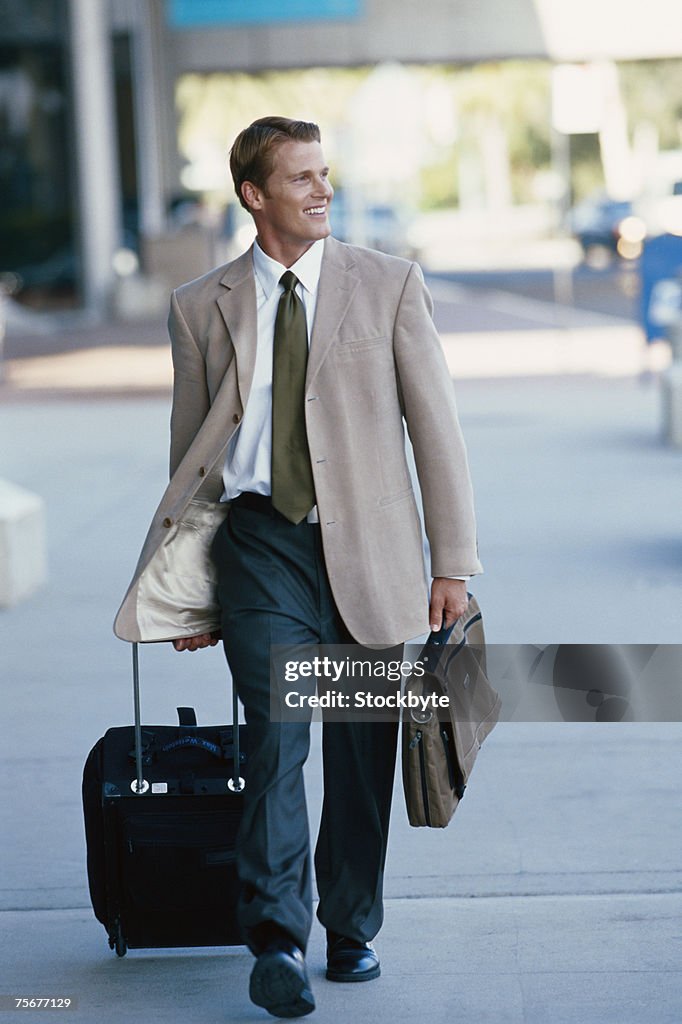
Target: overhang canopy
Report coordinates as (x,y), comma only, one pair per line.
(231,36)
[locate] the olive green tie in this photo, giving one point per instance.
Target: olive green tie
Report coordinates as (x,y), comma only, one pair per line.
(293,492)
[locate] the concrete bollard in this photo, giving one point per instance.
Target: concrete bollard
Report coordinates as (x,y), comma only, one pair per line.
(23,545)
(672,388)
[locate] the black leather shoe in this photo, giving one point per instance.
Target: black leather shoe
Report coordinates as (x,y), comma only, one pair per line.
(348,960)
(279,980)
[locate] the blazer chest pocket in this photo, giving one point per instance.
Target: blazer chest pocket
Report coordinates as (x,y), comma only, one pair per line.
(349,347)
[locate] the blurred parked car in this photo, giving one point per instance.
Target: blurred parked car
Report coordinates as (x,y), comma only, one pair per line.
(661,211)
(607,226)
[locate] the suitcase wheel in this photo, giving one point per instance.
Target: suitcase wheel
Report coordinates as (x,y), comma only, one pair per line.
(116,940)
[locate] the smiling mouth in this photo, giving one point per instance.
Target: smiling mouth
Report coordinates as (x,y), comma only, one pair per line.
(315,211)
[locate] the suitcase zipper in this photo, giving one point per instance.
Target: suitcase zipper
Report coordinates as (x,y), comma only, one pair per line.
(156,830)
(448,757)
(454,770)
(422,773)
(215,851)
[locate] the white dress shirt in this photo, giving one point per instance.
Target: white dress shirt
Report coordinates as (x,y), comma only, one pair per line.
(248,460)
(247,464)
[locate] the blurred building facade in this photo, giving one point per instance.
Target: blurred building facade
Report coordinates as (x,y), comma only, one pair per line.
(88,156)
(88,159)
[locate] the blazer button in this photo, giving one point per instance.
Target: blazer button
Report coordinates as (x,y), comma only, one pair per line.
(202,471)
(236,418)
(167,521)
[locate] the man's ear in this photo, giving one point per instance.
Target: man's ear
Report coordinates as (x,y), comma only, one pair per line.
(252,196)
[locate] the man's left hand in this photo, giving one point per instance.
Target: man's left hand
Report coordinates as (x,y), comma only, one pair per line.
(197,643)
(449,597)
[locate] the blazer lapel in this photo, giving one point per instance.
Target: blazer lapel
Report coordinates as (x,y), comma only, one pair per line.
(334,296)
(237,306)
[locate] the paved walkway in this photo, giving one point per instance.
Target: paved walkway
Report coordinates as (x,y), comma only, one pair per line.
(555,895)
(492,334)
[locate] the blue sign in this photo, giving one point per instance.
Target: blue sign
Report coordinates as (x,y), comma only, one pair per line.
(200,13)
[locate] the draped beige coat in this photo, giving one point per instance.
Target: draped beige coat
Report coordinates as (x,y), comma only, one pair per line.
(375,365)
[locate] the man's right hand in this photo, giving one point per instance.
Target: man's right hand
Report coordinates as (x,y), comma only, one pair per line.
(195,643)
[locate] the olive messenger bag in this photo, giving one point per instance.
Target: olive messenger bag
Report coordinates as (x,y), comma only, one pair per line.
(440,746)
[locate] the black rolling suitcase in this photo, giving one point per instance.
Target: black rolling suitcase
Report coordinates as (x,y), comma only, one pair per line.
(162,805)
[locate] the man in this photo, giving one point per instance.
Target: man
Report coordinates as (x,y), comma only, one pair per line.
(296,368)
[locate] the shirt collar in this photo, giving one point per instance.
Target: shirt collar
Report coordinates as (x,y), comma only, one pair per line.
(307,268)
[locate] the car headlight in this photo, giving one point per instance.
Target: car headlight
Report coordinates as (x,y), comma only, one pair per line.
(632,230)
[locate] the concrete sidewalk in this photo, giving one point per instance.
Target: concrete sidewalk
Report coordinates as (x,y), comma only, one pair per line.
(550,960)
(553,897)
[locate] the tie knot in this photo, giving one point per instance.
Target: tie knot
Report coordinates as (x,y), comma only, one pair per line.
(288,281)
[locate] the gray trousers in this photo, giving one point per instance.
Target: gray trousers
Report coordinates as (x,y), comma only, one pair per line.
(273,589)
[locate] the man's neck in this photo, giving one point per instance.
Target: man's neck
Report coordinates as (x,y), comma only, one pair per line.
(286,255)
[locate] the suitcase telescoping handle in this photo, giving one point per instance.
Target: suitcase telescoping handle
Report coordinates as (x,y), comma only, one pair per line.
(139,784)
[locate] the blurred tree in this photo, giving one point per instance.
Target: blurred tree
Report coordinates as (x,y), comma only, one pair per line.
(214,108)
(653,92)
(515,95)
(487,126)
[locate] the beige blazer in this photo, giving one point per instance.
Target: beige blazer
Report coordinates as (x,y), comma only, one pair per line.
(375,364)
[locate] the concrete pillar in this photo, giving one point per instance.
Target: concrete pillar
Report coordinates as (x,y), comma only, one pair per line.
(95,135)
(151,115)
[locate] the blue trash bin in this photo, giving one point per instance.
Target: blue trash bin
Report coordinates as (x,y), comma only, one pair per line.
(661,284)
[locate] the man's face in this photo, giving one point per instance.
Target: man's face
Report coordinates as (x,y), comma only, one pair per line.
(293,212)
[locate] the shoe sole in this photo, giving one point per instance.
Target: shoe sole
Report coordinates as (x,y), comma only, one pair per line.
(364,976)
(280,987)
